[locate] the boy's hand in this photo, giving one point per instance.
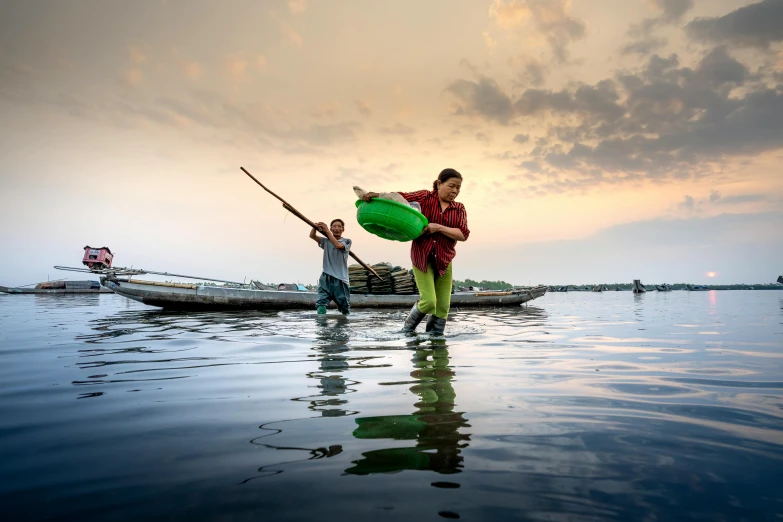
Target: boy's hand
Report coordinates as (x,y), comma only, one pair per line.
(370,195)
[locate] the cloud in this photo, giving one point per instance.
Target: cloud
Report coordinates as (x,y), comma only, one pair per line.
(236,67)
(261,62)
(645,41)
(132,77)
(364,108)
(327,134)
(663,121)
(297,6)
(325,110)
(644,46)
(292,36)
(531,72)
(688,204)
(755,25)
(193,70)
(716,198)
(672,10)
(491,42)
(521,138)
(398,129)
(484,98)
(136,55)
(550,19)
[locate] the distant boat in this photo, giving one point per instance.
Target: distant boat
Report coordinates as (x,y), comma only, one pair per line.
(600,288)
(638,287)
(780,280)
(664,287)
(59,287)
(698,288)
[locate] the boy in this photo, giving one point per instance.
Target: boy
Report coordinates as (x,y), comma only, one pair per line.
(333,284)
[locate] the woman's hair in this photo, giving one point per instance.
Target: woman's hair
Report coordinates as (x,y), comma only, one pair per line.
(444,176)
(338,219)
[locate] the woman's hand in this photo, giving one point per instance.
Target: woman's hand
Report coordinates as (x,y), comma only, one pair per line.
(432,228)
(369,196)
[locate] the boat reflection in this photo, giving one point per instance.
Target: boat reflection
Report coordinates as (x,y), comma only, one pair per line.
(434,425)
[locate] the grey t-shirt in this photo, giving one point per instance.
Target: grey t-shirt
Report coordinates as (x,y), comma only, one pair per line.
(336,261)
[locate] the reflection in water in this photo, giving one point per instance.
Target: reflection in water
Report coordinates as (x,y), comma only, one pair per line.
(331,351)
(434,424)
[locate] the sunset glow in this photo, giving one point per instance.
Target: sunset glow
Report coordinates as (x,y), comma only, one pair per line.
(711,274)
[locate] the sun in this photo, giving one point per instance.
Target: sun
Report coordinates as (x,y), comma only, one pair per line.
(711,274)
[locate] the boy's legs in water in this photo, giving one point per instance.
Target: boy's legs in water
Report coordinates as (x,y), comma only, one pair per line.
(323,294)
(332,289)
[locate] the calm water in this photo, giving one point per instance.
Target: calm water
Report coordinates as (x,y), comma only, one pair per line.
(581,407)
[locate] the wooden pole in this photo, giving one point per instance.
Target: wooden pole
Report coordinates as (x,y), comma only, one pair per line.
(301,216)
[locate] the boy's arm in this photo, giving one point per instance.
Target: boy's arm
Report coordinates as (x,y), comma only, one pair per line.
(314,238)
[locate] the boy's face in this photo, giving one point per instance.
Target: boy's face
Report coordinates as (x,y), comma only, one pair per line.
(337,229)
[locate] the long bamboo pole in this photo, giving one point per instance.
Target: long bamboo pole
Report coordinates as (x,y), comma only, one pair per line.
(301,216)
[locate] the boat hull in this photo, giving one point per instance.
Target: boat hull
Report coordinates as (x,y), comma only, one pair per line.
(188,296)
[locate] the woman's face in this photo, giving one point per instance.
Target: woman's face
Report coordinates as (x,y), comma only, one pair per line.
(449,190)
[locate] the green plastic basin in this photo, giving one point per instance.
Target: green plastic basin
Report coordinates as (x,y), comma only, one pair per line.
(390,220)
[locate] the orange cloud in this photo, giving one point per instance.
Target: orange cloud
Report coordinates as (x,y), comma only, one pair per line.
(511,15)
(132,77)
(136,55)
(236,66)
(491,42)
(297,6)
(193,70)
(364,108)
(261,62)
(326,109)
(292,36)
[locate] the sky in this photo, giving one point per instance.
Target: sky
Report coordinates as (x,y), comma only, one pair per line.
(600,141)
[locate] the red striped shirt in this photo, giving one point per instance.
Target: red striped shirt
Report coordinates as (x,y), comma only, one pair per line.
(443,247)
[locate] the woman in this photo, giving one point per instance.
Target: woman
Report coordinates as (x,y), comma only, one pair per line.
(433,251)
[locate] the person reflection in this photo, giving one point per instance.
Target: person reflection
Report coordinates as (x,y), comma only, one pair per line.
(434,424)
(331,350)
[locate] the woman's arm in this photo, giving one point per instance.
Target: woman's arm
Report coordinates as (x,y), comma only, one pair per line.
(451,233)
(417,196)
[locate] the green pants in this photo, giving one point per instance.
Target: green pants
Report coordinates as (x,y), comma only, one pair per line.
(434,291)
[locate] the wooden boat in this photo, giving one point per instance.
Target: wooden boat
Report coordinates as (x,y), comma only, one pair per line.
(59,287)
(698,288)
(638,287)
(192,296)
(663,288)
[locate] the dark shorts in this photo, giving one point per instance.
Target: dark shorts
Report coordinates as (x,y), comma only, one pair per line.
(332,289)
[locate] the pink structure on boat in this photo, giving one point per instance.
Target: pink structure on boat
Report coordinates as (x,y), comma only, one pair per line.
(97,258)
